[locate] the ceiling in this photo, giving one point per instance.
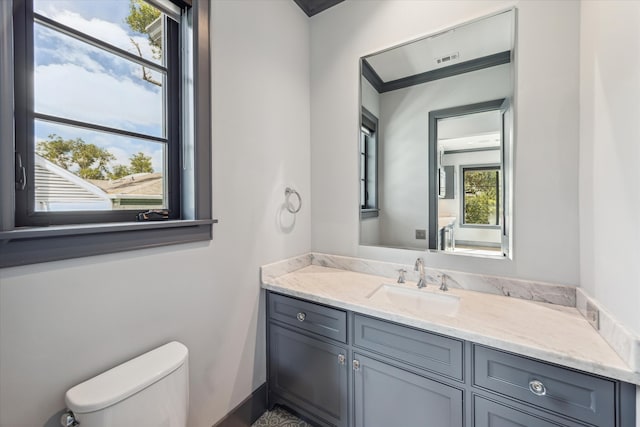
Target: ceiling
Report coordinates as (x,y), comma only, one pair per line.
(467,42)
(313,7)
(470,132)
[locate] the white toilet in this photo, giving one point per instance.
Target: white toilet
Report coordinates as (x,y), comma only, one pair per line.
(151,390)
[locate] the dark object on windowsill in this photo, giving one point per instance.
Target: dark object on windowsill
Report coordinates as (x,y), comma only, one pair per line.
(154,215)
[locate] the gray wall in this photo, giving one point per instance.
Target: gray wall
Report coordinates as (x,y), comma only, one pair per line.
(63,322)
(546,151)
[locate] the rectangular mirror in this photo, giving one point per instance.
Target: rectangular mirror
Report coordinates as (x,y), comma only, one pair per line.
(436,136)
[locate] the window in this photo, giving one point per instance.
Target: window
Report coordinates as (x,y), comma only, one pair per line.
(368,165)
(481,195)
(110,121)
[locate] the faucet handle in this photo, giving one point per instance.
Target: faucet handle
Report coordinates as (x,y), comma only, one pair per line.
(401,278)
(443,283)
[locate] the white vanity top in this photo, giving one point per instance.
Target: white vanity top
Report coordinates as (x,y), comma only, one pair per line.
(549,332)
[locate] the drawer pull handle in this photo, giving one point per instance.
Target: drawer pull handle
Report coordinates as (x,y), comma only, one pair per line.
(301,316)
(536,387)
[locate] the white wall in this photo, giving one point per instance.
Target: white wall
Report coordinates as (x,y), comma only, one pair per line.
(610,156)
(546,147)
(63,322)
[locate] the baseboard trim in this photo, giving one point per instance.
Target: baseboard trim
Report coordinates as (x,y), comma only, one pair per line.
(248,411)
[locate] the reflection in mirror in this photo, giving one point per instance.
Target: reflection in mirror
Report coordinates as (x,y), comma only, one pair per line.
(466,150)
(435,141)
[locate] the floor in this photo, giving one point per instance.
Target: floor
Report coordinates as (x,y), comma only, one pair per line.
(279,418)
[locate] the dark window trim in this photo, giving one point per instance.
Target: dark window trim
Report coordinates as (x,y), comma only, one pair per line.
(25,116)
(22,246)
(488,166)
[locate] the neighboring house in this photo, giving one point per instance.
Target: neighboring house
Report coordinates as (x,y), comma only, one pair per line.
(137,191)
(57,189)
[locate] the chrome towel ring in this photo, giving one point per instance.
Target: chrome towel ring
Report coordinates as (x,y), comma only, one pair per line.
(291,207)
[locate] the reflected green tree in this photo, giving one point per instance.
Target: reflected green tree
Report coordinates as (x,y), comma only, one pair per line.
(480,187)
(140,19)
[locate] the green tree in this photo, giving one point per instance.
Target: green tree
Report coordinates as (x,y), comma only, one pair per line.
(57,150)
(119,171)
(140,163)
(141,14)
(480,189)
(88,161)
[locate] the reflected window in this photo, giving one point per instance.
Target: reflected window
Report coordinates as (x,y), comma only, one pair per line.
(368,165)
(481,195)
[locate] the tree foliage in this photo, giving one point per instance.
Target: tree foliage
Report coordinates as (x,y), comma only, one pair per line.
(480,196)
(140,163)
(119,171)
(88,161)
(141,14)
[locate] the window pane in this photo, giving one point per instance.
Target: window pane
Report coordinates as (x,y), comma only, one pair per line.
(79,169)
(80,82)
(134,26)
(481,193)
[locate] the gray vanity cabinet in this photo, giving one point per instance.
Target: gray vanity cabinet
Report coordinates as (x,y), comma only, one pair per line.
(345,369)
(386,396)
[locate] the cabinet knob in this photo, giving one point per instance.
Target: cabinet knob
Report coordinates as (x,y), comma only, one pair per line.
(341,359)
(301,316)
(536,387)
(356,365)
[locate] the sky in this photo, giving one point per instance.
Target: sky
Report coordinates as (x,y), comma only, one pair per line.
(77,81)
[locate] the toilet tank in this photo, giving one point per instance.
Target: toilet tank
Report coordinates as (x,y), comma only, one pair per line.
(151,390)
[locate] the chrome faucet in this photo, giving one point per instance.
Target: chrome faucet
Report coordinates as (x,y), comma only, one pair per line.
(419,267)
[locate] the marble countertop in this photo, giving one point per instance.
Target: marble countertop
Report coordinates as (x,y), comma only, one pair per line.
(549,332)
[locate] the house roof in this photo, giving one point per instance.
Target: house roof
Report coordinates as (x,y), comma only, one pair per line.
(139,184)
(56,184)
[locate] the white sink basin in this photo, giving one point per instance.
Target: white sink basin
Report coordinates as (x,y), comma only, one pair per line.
(416,300)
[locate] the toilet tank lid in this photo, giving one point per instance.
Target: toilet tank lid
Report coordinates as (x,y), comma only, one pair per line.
(126,379)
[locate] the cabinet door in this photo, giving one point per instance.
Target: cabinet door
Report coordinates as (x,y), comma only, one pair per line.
(388,396)
(309,373)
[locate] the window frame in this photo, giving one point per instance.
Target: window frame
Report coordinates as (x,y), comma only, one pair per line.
(369,121)
(21,245)
(482,167)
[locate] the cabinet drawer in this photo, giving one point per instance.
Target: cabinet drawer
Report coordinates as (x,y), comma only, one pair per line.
(574,394)
(422,349)
(321,320)
(487,413)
